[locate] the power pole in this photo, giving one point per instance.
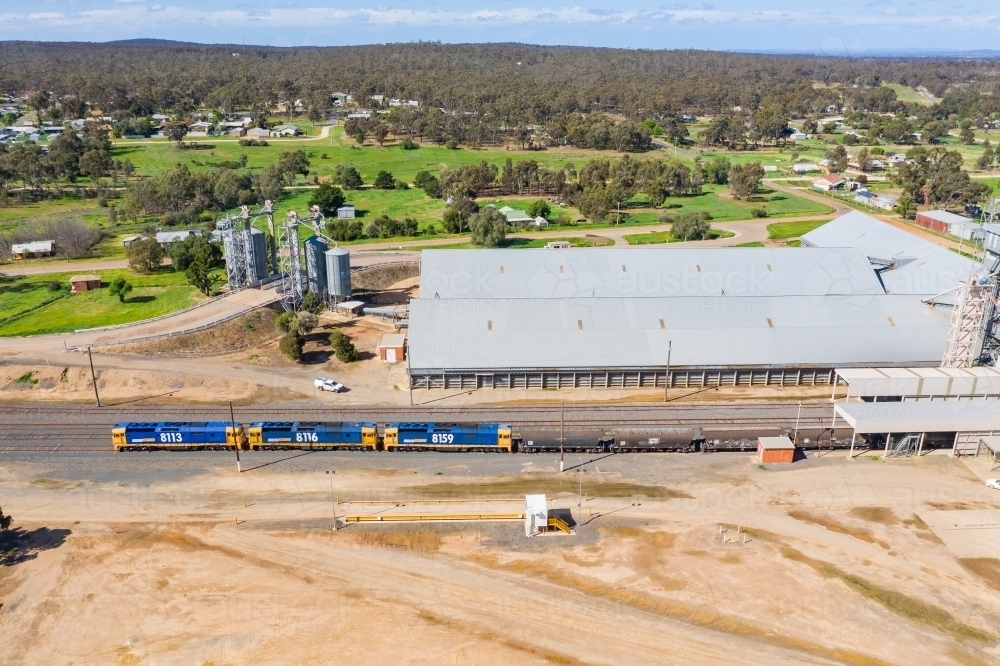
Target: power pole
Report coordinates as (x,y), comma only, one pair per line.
(666,380)
(561,439)
(333,500)
(93,376)
(795,437)
(232,420)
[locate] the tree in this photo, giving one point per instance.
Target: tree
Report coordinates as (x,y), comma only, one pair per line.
(986,160)
(315,113)
(287,322)
(429,183)
(307,321)
(347,176)
(716,170)
(343,348)
(95,163)
(182,253)
(175,131)
(198,272)
(838,158)
(144,255)
(5,520)
(967,136)
(312,303)
(379,132)
(691,226)
(293,163)
(291,346)
(905,207)
(489,228)
(864,160)
(328,197)
(384,181)
(744,179)
(120,288)
(540,208)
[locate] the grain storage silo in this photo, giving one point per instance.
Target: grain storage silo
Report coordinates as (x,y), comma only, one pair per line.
(259,242)
(338,273)
(316,266)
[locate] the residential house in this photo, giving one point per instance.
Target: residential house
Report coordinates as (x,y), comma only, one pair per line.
(285,130)
(868,198)
(798,136)
(168,238)
(558,245)
(44,248)
(830,181)
(160,118)
(515,217)
(804,167)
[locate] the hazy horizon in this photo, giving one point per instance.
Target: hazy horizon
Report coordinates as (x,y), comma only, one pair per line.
(852,28)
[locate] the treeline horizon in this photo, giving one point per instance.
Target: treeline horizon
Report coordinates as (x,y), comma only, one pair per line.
(516,83)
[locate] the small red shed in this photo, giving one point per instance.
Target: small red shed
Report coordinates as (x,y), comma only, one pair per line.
(392,348)
(775,450)
(79,283)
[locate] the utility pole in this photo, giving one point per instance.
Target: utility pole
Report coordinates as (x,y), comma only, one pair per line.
(333,500)
(795,437)
(579,502)
(93,376)
(666,380)
(561,438)
(236,442)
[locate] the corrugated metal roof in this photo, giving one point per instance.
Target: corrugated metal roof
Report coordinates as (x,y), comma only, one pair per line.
(916,382)
(922,267)
(33,246)
(927,416)
(945,216)
(788,331)
(645,272)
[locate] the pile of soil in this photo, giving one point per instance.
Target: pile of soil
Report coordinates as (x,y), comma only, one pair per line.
(381,277)
(252,329)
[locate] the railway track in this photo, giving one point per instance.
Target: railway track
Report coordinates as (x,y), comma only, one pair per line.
(34,428)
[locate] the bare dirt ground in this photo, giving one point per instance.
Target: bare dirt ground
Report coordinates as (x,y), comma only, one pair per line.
(159,559)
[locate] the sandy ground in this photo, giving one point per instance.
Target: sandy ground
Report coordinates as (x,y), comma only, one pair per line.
(153,559)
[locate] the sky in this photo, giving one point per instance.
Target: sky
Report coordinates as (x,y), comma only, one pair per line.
(843,27)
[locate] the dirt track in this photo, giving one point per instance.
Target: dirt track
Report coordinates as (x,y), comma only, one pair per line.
(139,560)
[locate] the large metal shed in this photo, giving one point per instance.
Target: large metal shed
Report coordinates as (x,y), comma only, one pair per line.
(906,263)
(634,342)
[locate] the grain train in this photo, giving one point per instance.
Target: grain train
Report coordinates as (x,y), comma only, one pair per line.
(401,436)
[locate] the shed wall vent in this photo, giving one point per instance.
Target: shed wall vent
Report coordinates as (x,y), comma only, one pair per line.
(661,324)
(770,323)
(489,325)
(579,324)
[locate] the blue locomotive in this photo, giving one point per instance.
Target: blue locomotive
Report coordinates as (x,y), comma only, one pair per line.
(210,435)
(270,435)
(448,437)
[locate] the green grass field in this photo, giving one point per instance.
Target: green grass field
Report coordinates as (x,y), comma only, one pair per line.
(792,229)
(29,307)
(154,157)
(660,237)
(907,94)
(530,243)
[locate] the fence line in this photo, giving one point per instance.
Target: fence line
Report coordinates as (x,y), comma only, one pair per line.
(163,336)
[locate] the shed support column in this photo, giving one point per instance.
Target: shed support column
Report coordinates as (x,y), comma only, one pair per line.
(920,444)
(954,446)
(854,434)
(888,439)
